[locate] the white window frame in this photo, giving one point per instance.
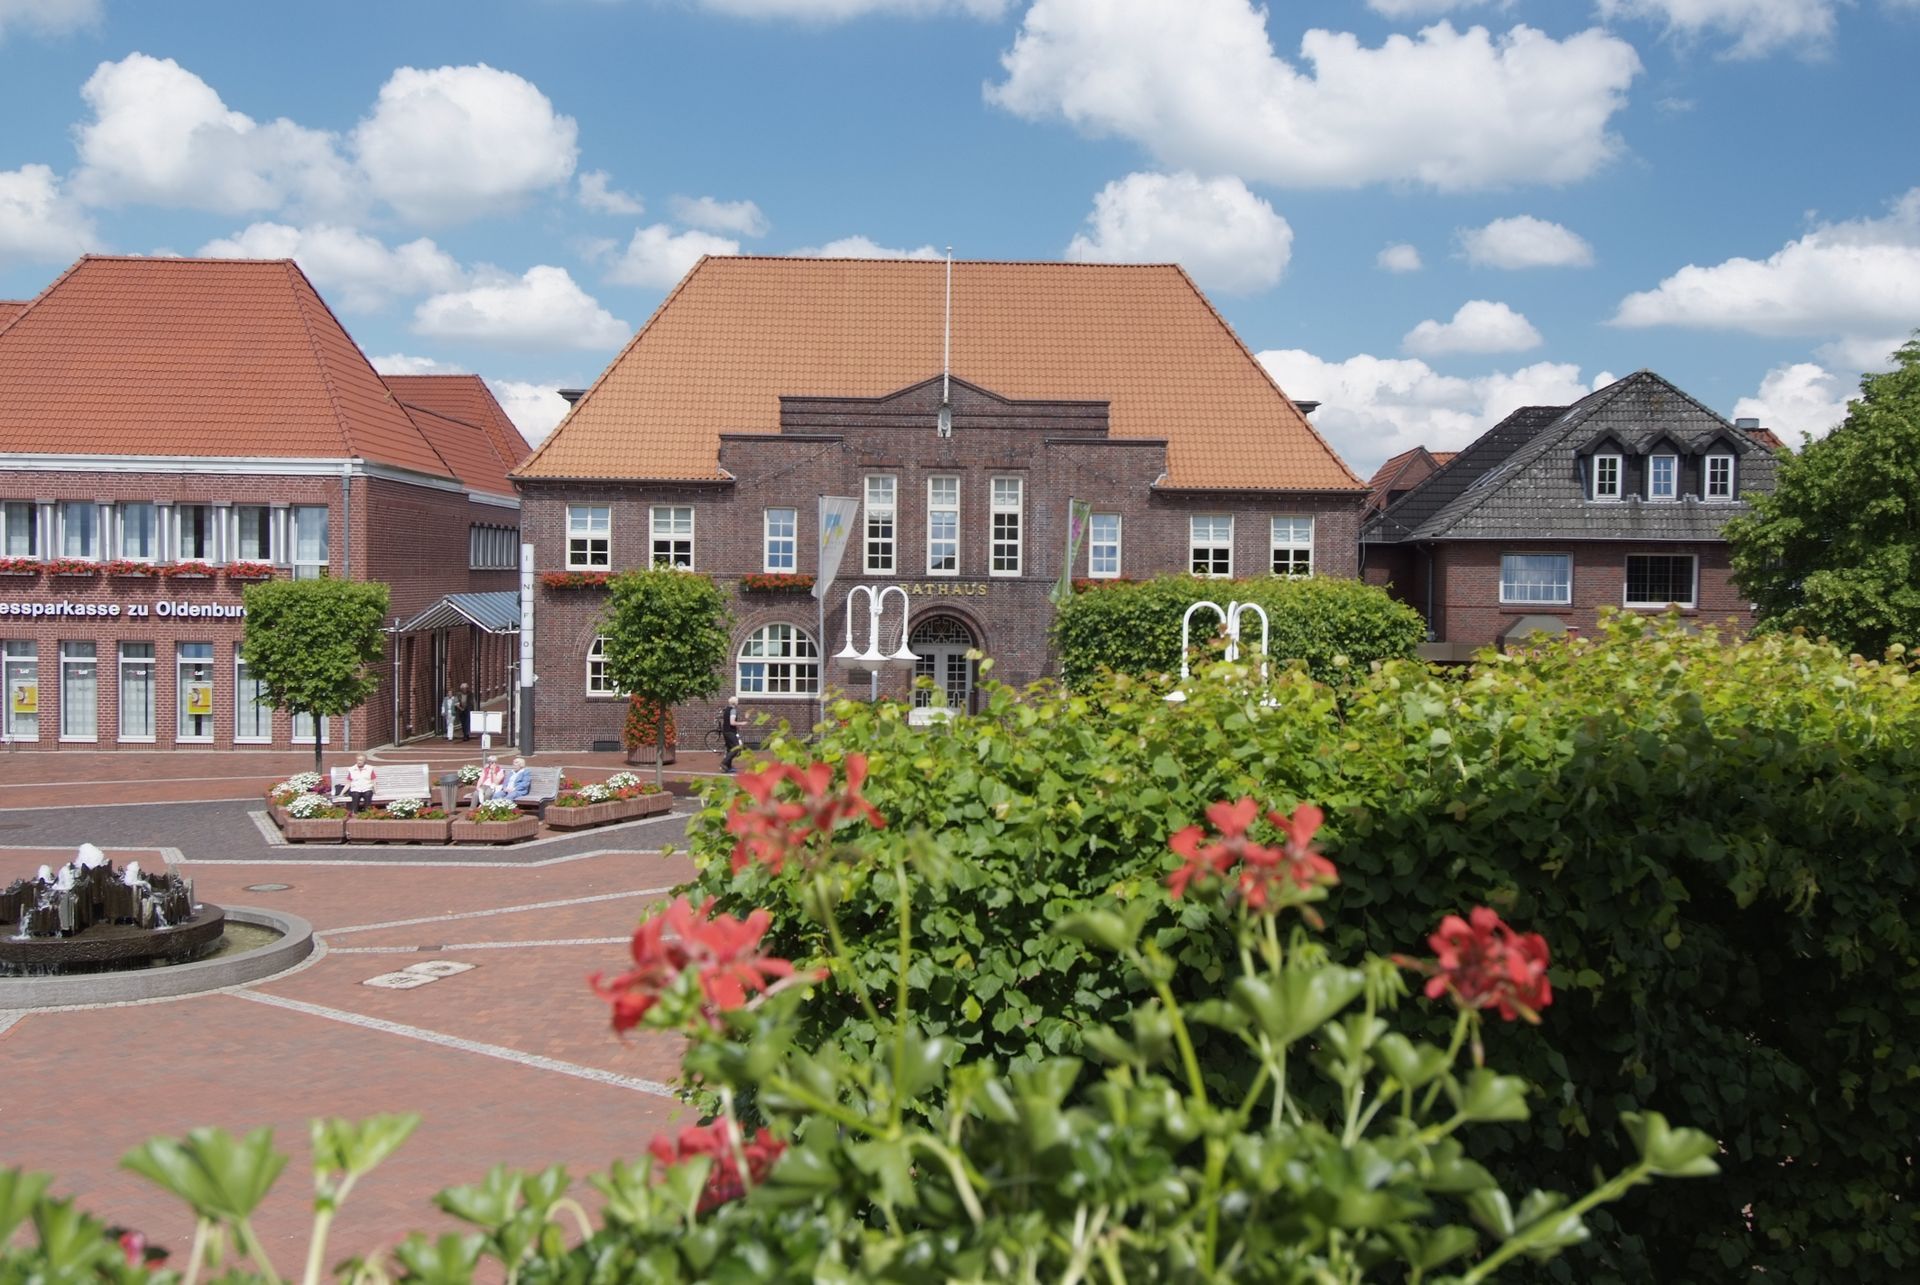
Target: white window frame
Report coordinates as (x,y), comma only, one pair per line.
(20,662)
(1673,482)
(1507,600)
(1006,547)
(1095,544)
(589,537)
(799,657)
(668,536)
(1617,490)
(10,526)
(780,549)
(599,686)
(181,664)
(151,663)
(65,509)
(1693,582)
(880,524)
(1706,476)
(308,568)
(240,680)
(155,538)
(1212,542)
(1292,547)
(91,657)
(180,512)
(235,518)
(947,544)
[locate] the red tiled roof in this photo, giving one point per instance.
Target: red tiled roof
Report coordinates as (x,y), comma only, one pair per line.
(1443,457)
(9,309)
(1402,473)
(1767,438)
(467,399)
(738,333)
(471,452)
(216,357)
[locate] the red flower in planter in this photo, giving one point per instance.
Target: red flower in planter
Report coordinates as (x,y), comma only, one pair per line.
(773,828)
(717,1140)
(1262,869)
(720,951)
(1483,963)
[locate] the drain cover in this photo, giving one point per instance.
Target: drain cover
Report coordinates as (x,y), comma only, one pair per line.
(269,887)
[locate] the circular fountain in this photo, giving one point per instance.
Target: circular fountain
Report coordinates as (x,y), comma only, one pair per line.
(90,916)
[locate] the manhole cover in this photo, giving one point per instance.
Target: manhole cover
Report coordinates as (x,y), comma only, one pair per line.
(269,887)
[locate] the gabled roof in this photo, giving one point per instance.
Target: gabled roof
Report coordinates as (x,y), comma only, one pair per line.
(469,451)
(738,333)
(1402,473)
(1522,480)
(467,399)
(196,357)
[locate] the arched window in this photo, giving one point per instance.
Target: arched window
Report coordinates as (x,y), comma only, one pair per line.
(779,660)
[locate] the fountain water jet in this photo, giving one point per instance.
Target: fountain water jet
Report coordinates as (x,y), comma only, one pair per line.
(89,917)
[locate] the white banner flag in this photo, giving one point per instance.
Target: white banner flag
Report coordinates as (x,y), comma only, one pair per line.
(838,514)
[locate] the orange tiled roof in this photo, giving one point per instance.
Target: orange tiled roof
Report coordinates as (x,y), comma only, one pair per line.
(737,333)
(9,309)
(467,399)
(222,357)
(1443,457)
(469,450)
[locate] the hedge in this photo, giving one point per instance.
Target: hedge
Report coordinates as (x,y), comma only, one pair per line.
(1134,627)
(1719,842)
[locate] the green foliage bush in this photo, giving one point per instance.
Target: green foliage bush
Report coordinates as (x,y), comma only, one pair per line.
(1134,628)
(1718,841)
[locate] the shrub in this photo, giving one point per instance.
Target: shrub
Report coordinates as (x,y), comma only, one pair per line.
(1135,628)
(1718,841)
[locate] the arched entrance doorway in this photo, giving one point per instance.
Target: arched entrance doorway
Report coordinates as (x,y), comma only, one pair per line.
(942,644)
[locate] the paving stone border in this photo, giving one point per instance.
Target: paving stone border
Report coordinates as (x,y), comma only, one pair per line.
(293,946)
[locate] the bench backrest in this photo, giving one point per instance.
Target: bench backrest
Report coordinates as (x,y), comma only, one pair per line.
(391,781)
(546,784)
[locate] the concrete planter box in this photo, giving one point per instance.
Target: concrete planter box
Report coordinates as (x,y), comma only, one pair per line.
(646,805)
(314,829)
(279,815)
(360,830)
(646,754)
(589,815)
(496,831)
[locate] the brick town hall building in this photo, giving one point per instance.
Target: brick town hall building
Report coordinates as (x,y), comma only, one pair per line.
(762,385)
(174,429)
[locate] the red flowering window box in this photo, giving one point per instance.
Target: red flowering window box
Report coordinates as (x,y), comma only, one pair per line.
(776,582)
(249,571)
(187,571)
(575,579)
(20,566)
(73,567)
(128,567)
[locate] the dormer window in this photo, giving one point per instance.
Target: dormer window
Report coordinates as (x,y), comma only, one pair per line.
(1606,477)
(1719,478)
(1663,477)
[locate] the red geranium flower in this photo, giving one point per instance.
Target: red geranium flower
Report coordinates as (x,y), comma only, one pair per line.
(772,828)
(1262,868)
(717,1141)
(1483,963)
(719,950)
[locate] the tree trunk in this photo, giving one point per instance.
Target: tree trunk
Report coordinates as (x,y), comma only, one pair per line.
(660,750)
(316,746)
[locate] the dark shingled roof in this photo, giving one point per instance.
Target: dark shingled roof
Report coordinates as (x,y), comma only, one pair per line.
(1520,479)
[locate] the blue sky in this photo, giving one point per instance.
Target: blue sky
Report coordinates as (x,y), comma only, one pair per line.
(1421,212)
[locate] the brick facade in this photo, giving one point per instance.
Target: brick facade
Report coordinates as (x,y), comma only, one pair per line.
(1060,451)
(412,535)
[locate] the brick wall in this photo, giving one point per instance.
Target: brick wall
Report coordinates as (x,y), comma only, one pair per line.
(828,447)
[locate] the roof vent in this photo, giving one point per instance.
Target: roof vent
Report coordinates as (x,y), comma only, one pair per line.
(571,394)
(1306,407)
(1748,424)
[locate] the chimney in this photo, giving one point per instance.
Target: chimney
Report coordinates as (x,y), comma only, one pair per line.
(1746,423)
(571,394)
(1305,407)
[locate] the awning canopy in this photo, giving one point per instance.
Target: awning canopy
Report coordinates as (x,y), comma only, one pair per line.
(496,613)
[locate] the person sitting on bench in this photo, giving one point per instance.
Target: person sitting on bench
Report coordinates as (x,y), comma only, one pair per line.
(492,783)
(360,782)
(519,781)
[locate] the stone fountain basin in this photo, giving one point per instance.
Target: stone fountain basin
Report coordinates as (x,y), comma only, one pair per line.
(293,945)
(115,945)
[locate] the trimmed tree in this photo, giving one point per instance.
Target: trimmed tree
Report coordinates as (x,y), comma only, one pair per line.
(667,641)
(1835,549)
(315,645)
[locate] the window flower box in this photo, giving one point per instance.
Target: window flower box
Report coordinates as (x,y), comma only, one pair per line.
(73,567)
(20,566)
(314,829)
(249,571)
(424,828)
(128,567)
(575,579)
(776,582)
(187,571)
(520,828)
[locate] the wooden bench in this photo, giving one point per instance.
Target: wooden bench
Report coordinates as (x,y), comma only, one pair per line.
(390,781)
(544,789)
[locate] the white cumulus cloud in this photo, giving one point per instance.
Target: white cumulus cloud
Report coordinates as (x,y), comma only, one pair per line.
(1755,27)
(1198,84)
(1399,257)
(1478,326)
(862,247)
(841,10)
(544,308)
(1425,8)
(38,221)
(160,135)
(658,257)
(533,408)
(1525,242)
(1858,278)
(1372,408)
(1798,398)
(400,363)
(352,269)
(48,17)
(1226,238)
(598,194)
(455,143)
(743,218)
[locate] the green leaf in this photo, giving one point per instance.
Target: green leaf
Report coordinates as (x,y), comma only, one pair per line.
(890,1161)
(1414,1066)
(450,1260)
(1668,1152)
(357,1148)
(219,1176)
(1487,1097)
(1299,1001)
(1493,1211)
(19,1191)
(1100,928)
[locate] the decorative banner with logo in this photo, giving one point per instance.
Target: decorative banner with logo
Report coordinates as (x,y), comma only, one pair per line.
(837,516)
(1078,514)
(24,697)
(199,698)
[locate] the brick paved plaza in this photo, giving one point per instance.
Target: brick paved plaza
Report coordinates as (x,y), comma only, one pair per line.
(509,1062)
